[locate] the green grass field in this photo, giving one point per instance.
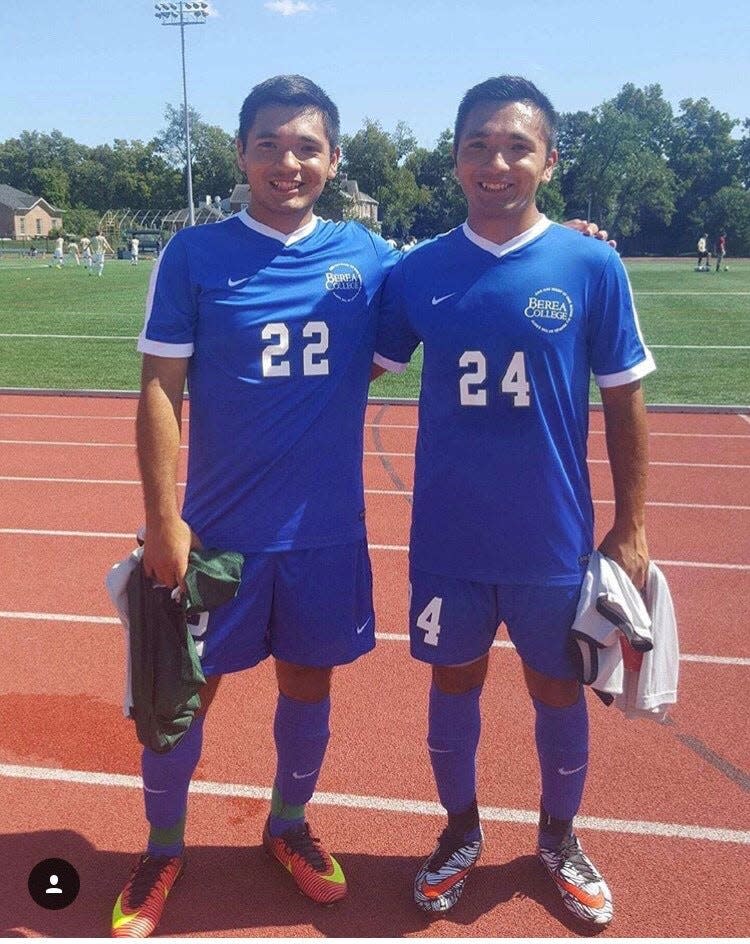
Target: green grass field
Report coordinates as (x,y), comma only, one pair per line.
(80,330)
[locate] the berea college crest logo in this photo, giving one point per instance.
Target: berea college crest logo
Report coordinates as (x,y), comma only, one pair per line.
(344,280)
(550,310)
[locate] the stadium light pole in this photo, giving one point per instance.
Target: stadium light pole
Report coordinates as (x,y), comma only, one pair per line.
(184,13)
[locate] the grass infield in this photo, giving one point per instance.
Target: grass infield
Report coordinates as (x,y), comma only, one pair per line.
(80,329)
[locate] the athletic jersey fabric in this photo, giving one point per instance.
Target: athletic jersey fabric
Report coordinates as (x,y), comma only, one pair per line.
(280,334)
(511,334)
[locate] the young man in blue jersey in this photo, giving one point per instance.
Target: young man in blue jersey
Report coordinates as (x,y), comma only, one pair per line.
(514,313)
(270,317)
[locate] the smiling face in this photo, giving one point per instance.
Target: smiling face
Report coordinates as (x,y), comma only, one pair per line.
(501,159)
(287,159)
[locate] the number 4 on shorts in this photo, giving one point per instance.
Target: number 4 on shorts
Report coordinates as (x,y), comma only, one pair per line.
(429,621)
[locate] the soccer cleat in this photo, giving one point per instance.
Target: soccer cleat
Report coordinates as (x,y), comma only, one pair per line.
(316,873)
(583,889)
(440,881)
(139,908)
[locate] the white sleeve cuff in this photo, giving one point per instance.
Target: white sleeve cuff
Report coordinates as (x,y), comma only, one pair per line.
(646,366)
(393,366)
(163,349)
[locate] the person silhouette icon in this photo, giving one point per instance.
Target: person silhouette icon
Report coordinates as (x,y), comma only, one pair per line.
(53,889)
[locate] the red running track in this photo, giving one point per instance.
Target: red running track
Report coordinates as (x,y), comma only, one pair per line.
(668,819)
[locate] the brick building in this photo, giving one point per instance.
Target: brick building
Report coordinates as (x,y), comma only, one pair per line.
(23,216)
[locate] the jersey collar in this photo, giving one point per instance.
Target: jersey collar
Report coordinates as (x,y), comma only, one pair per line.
(286,238)
(502,249)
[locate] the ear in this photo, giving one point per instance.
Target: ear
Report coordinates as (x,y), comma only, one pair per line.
(240,155)
(334,166)
(550,166)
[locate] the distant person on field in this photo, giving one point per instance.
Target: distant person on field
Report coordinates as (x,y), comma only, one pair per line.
(703,252)
(134,244)
(86,253)
(59,253)
(100,247)
(73,252)
(721,251)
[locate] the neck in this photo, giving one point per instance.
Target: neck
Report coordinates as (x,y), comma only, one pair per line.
(501,229)
(286,224)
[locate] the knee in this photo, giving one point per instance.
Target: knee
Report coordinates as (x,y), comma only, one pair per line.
(303,682)
(457,679)
(557,693)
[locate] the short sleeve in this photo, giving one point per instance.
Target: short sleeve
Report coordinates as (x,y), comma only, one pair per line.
(617,350)
(395,341)
(171,306)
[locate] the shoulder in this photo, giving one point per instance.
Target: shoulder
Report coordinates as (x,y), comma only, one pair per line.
(429,251)
(590,253)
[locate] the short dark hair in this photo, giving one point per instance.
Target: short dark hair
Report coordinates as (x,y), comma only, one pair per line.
(289,90)
(502,90)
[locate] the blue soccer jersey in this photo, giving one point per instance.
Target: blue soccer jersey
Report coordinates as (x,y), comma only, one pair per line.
(511,335)
(280,333)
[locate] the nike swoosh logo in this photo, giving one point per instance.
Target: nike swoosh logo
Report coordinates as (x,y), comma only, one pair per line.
(436,301)
(567,773)
(363,627)
(149,790)
(435,891)
(232,283)
(304,776)
(439,750)
(591,901)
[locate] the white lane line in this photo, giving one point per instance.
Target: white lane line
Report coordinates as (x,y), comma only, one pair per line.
(387,455)
(131,419)
(128,536)
(353,801)
(48,480)
(73,337)
(386,637)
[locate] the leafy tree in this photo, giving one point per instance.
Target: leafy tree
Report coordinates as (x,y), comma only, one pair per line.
(370,157)
(612,163)
(443,205)
(215,171)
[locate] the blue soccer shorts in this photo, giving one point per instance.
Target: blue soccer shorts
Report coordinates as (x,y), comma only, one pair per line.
(454,621)
(312,607)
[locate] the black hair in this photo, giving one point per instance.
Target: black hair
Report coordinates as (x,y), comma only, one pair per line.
(502,90)
(289,90)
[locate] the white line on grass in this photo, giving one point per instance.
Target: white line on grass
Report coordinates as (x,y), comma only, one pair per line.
(699,347)
(73,337)
(370,454)
(354,801)
(717,294)
(386,637)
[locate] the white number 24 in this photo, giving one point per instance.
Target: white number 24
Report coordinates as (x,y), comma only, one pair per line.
(514,382)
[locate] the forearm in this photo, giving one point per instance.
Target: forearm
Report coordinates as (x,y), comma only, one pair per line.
(158,432)
(627,447)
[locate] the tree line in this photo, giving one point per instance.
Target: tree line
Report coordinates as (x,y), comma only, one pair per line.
(654,177)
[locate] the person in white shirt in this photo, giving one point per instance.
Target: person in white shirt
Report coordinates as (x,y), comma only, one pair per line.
(100,247)
(134,243)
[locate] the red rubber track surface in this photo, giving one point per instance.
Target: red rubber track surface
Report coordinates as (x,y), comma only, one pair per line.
(60,709)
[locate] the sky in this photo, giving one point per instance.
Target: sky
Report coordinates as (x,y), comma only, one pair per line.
(98,70)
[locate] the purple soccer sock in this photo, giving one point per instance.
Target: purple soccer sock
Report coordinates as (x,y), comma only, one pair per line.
(454,725)
(562,740)
(301,733)
(166,778)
